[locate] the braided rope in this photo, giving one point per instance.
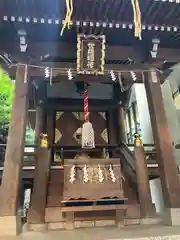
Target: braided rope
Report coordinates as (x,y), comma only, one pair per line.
(69,10)
(87,129)
(137,18)
(86,106)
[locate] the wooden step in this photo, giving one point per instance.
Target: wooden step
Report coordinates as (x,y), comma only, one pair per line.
(94,201)
(94,208)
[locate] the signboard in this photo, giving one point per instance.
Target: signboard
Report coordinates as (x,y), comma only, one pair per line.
(90,54)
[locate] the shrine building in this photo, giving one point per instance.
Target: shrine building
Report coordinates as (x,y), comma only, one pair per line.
(98,83)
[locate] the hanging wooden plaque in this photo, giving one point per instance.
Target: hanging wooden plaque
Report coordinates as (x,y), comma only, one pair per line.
(90,54)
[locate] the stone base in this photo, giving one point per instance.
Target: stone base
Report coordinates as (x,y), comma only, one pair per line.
(56,226)
(79,224)
(142,221)
(171,217)
(10,226)
(151,221)
(36,227)
(54,214)
(132,221)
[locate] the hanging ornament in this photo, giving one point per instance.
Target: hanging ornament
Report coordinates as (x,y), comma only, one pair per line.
(50,77)
(69,10)
(22,40)
(69,72)
(113,76)
(72,174)
(100,173)
(133,75)
(47,72)
(87,129)
(25,73)
(105,154)
(85,177)
(113,178)
(137,18)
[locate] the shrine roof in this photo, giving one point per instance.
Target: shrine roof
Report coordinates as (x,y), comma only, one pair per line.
(43,20)
(153,11)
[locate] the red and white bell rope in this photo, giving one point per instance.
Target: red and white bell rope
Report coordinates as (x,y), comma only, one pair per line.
(87,129)
(86,106)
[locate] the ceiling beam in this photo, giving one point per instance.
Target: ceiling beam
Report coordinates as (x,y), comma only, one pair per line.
(68,51)
(62,50)
(169,54)
(77,104)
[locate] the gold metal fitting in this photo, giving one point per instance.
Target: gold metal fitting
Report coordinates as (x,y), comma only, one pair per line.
(138,142)
(43,140)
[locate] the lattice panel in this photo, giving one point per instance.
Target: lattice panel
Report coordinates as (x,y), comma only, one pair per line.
(68,124)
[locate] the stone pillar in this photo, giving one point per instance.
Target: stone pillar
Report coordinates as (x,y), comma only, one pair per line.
(144,193)
(10,223)
(121,118)
(36,213)
(164,148)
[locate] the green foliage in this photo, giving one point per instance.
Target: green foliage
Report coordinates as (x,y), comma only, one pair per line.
(6,98)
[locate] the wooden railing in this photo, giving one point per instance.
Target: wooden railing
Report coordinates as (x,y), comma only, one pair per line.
(121,150)
(128,160)
(26,153)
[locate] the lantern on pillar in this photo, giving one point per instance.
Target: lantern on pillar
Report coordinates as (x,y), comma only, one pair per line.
(43,141)
(137,141)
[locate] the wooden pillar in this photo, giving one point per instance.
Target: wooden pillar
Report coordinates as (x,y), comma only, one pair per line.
(142,179)
(36,213)
(134,105)
(164,148)
(112,134)
(51,130)
(130,125)
(9,199)
(121,118)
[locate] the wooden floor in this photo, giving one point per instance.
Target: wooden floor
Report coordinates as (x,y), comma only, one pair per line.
(140,232)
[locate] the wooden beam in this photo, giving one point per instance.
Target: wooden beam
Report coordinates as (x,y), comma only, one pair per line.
(36,213)
(51,122)
(64,50)
(14,154)
(121,123)
(77,104)
(94,208)
(68,51)
(111,126)
(143,182)
(163,141)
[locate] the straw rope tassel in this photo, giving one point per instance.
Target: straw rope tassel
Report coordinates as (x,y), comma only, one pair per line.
(137,18)
(87,129)
(69,10)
